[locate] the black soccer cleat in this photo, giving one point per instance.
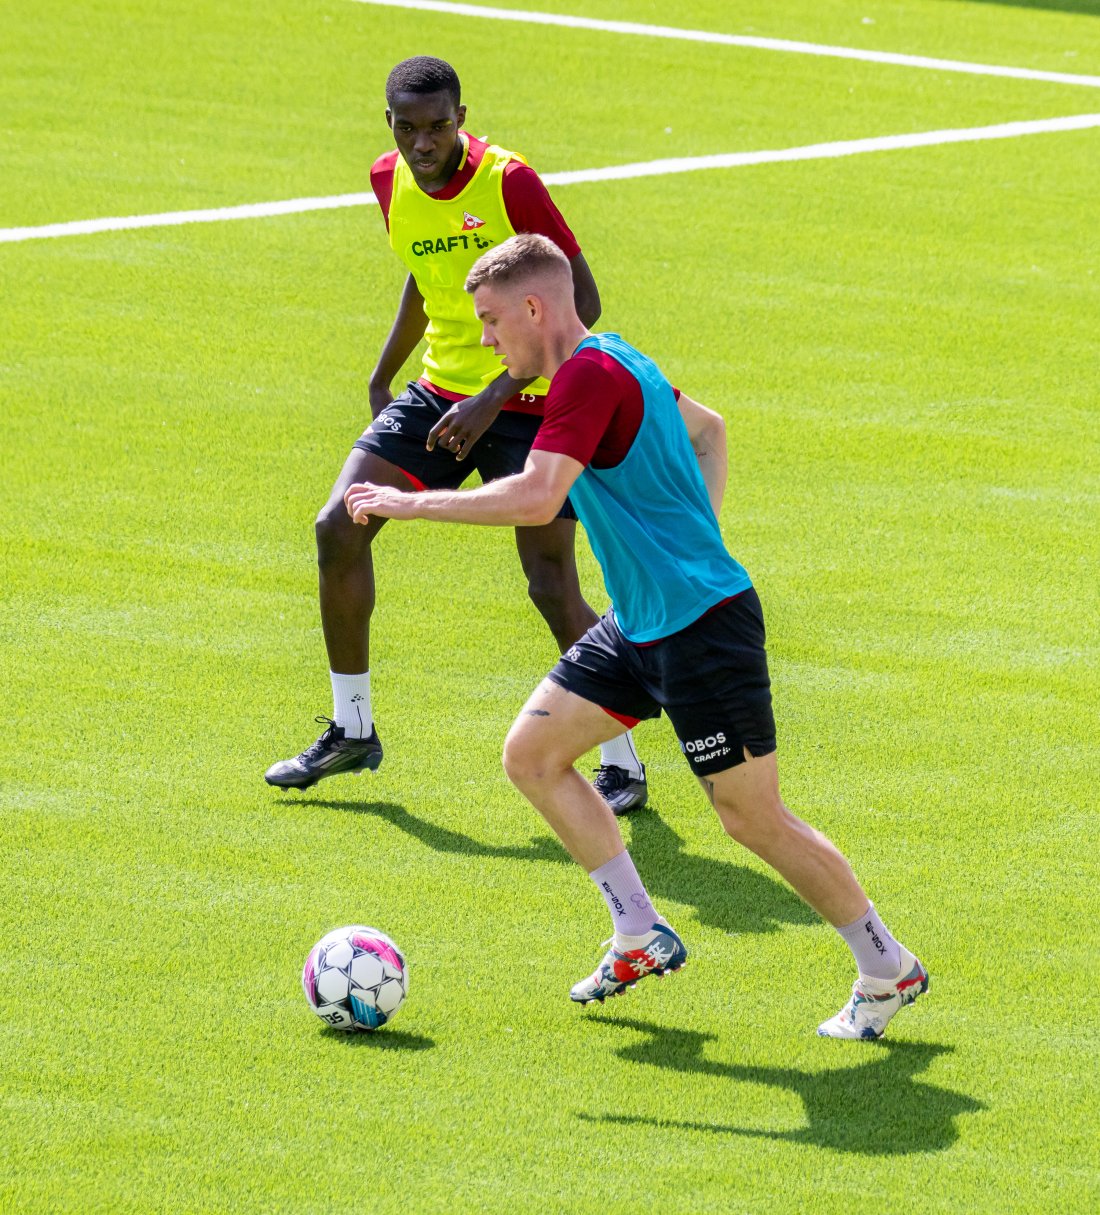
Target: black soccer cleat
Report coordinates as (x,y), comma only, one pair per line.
(622,792)
(330,755)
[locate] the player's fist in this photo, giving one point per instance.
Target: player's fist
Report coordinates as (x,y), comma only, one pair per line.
(365,500)
(463,424)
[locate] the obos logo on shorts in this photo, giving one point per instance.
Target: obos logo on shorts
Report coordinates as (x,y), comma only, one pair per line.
(700,749)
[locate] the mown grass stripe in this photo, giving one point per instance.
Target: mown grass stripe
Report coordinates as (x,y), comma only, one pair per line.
(648,168)
(789,46)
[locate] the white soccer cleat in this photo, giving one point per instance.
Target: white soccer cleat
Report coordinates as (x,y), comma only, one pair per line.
(875,1001)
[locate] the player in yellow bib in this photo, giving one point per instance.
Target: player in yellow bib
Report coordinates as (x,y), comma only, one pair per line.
(446,198)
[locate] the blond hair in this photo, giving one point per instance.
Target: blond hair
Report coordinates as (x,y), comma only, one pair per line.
(527,255)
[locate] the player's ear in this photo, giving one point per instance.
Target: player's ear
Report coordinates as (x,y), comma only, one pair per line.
(389,118)
(461,116)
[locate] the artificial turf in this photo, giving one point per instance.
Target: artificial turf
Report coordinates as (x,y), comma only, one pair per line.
(904,346)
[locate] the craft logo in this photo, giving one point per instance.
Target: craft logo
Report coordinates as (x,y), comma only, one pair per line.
(448,244)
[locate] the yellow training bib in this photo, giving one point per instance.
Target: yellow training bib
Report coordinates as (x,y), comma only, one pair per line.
(439,240)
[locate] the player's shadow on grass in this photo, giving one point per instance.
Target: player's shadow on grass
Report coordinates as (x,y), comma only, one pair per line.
(441,839)
(383,1039)
(875,1107)
(725,895)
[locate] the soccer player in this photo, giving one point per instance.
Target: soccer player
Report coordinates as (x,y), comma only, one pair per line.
(685,632)
(445,198)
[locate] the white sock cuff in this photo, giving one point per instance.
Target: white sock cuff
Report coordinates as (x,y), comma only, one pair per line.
(620,752)
(351,704)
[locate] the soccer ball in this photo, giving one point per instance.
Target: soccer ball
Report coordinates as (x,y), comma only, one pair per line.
(355,978)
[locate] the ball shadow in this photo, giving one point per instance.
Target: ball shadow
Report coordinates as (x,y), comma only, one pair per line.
(379,1039)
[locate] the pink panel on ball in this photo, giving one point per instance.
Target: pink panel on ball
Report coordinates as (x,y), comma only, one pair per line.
(382,948)
(309,979)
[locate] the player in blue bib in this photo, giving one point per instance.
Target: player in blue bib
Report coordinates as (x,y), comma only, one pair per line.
(645,471)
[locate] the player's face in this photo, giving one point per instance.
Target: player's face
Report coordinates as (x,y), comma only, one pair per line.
(509,326)
(426,126)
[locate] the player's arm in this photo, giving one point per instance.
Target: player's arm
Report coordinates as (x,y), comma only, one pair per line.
(586,295)
(408,328)
(707,432)
(528,499)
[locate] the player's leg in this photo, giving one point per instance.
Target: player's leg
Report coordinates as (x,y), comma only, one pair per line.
(345,565)
(556,726)
(548,557)
(713,681)
(748,802)
(553,730)
(391,452)
(346,582)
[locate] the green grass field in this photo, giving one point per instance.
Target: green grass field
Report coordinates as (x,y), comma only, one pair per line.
(905,347)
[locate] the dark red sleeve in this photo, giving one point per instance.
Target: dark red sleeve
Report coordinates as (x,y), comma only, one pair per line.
(579,407)
(593,410)
(381,183)
(531,209)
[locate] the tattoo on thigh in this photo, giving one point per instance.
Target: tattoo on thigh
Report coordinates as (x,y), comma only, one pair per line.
(708,788)
(536,712)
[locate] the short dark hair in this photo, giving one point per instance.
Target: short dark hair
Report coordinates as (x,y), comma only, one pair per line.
(423,74)
(524,255)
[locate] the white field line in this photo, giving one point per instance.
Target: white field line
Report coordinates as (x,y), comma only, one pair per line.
(745,40)
(827,151)
(168,219)
(648,168)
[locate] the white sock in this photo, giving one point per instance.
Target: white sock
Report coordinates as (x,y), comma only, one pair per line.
(351,704)
(620,752)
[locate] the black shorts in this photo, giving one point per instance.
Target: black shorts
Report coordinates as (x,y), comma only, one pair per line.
(710,678)
(400,432)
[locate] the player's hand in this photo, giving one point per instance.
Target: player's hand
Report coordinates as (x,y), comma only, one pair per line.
(379,395)
(365,500)
(463,424)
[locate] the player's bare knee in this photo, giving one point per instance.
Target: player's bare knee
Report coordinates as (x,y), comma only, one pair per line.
(566,613)
(336,535)
(530,756)
(751,823)
(522,759)
(734,824)
(549,595)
